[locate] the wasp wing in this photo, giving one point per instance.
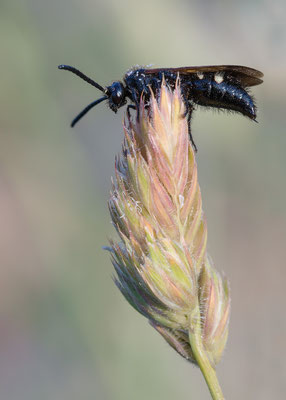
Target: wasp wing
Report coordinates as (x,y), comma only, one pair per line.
(245,75)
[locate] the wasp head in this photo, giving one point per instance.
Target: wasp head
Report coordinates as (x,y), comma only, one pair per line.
(116,95)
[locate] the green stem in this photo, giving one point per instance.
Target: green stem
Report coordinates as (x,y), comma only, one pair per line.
(201,357)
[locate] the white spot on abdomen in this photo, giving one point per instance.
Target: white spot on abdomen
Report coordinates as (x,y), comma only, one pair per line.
(218,77)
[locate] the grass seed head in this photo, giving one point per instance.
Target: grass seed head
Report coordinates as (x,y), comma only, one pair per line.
(161,263)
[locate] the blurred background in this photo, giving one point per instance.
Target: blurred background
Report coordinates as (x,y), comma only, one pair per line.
(65,330)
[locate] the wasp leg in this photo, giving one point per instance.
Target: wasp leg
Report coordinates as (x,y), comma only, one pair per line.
(185,99)
(130,106)
(188,112)
(135,100)
(189,128)
(155,86)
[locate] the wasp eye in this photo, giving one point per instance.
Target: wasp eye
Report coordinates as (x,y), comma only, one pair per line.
(117,96)
(116,93)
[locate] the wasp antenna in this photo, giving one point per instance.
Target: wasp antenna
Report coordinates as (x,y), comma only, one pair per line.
(82,76)
(86,110)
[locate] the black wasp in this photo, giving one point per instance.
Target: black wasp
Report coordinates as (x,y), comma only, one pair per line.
(218,86)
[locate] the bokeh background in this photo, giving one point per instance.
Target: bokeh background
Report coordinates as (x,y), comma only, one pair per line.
(65,330)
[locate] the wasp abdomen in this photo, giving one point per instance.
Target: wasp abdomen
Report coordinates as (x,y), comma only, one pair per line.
(210,93)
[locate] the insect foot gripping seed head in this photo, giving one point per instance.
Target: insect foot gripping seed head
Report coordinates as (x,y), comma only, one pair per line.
(156,207)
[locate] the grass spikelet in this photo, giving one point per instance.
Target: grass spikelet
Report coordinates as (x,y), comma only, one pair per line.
(161,262)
